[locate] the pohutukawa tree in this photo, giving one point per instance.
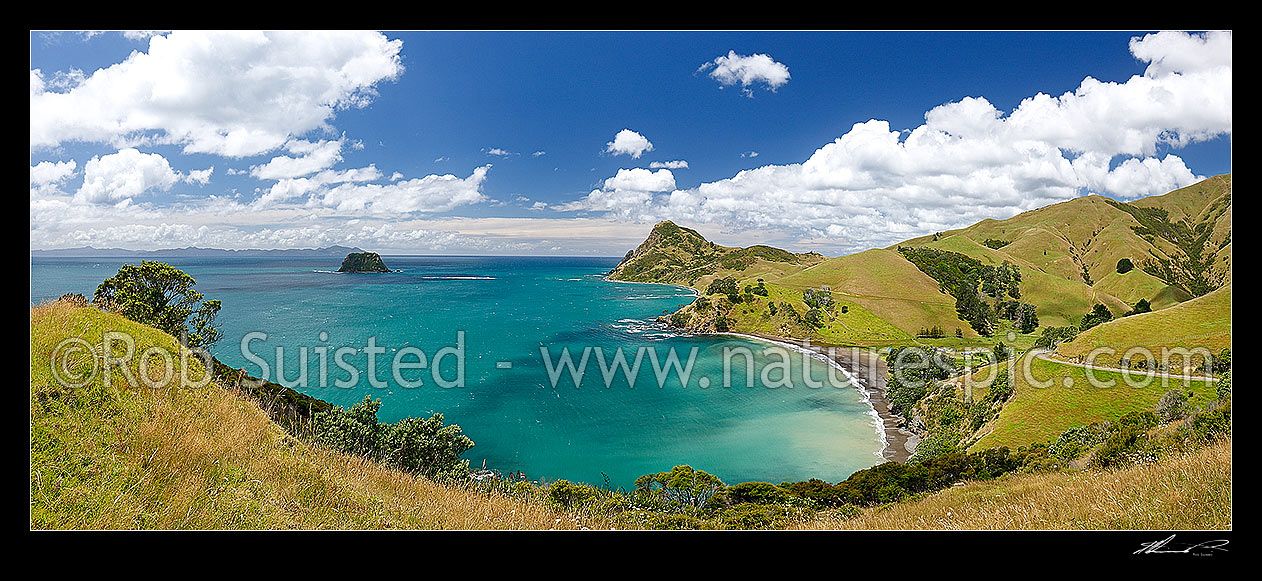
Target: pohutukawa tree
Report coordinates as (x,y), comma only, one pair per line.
(162,296)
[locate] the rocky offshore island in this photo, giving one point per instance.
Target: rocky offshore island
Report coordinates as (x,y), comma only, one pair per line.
(363,262)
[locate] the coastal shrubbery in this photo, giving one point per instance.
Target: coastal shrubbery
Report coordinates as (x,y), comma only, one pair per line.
(913,369)
(415,445)
(1132,438)
(162,296)
(687,498)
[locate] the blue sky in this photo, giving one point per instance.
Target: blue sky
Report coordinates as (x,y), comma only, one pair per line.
(501,142)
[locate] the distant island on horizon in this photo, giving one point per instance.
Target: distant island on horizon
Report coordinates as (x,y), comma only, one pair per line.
(90,251)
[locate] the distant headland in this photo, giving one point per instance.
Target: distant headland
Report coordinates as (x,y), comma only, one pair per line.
(89,251)
(363,262)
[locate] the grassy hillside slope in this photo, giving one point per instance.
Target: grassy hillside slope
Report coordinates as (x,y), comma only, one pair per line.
(1201,322)
(887,285)
(110,456)
(1060,301)
(1191,492)
(1180,244)
(1084,238)
(1040,414)
(678,255)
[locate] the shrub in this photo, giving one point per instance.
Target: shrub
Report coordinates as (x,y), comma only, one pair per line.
(845,512)
(1173,405)
(821,298)
(1223,387)
(1214,424)
(1127,439)
(1223,361)
(724,285)
(419,446)
(682,488)
(426,446)
(1140,307)
(162,296)
(1075,441)
(756,493)
(758,516)
(1053,335)
(1099,314)
(932,447)
(1001,388)
(569,496)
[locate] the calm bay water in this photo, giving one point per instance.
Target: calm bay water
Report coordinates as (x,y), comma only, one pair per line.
(507,309)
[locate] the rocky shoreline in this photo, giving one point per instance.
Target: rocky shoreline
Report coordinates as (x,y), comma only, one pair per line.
(900,442)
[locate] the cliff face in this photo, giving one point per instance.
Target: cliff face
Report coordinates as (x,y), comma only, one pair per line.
(363,262)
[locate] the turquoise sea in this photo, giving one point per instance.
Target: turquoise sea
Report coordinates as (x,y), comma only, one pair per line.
(497,314)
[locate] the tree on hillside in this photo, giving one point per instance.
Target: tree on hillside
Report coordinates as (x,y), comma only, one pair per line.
(1026,318)
(416,445)
(1140,307)
(160,295)
(725,285)
(684,487)
(1124,266)
(1099,314)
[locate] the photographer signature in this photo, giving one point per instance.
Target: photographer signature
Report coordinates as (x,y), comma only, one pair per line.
(1164,546)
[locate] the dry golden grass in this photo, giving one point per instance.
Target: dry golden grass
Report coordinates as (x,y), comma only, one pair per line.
(116,457)
(1191,492)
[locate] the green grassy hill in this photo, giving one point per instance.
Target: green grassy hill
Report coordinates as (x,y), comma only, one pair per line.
(1060,301)
(886,285)
(1084,238)
(1040,413)
(1201,322)
(677,255)
(1180,244)
(112,456)
(1191,492)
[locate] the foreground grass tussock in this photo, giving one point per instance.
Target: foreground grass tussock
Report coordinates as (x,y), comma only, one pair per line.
(111,456)
(1190,492)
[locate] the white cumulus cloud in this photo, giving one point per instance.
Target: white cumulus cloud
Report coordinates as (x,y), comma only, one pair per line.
(629,192)
(628,142)
(47,172)
(125,175)
(747,71)
(874,185)
(432,193)
(231,93)
(311,158)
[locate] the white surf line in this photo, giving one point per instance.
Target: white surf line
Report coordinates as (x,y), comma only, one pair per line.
(440,277)
(854,381)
